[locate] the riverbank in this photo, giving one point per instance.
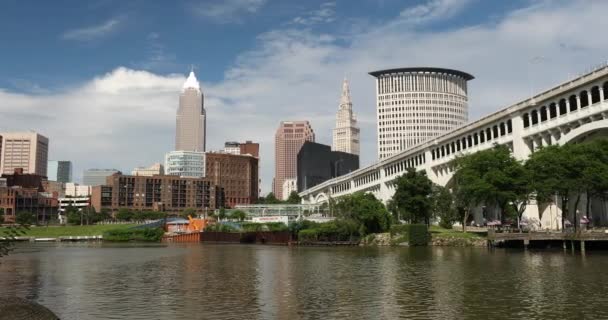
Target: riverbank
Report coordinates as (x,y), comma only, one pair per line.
(69,231)
(439,237)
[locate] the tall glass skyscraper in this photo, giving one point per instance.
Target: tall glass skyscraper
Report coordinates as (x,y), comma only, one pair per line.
(60,171)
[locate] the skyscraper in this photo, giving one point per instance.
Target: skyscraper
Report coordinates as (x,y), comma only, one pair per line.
(26,150)
(191,120)
(417,104)
(60,171)
(289,138)
(346,132)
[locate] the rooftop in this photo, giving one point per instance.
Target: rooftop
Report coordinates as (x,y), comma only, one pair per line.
(464,75)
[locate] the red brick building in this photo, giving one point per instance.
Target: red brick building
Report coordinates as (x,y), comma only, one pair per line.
(171,194)
(25,192)
(237,174)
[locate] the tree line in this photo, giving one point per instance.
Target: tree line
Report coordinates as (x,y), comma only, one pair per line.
(494,178)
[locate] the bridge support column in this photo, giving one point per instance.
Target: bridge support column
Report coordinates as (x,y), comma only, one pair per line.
(583,246)
(521,148)
(572,246)
(526,243)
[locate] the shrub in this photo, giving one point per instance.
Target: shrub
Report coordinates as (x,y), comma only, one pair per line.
(124,214)
(399,229)
(337,230)
(144,234)
(221,227)
(25,218)
(295,227)
(418,234)
(308,235)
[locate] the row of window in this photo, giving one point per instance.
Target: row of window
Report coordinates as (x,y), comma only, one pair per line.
(423,108)
(565,106)
(367,178)
(447,97)
(421,82)
(404,164)
(474,139)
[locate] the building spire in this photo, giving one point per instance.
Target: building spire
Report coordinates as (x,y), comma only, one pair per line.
(191,81)
(345,99)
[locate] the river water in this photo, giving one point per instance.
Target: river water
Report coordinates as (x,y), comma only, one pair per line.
(105,281)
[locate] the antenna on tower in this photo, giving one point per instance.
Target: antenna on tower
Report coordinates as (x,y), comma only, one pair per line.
(191,68)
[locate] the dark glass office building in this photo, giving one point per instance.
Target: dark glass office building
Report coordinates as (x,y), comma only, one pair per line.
(317,163)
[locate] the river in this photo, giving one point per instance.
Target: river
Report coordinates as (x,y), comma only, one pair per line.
(131,281)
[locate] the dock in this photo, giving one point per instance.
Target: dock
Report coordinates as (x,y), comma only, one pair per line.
(57,239)
(566,238)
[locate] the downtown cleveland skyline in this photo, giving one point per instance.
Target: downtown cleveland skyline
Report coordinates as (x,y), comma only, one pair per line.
(105,104)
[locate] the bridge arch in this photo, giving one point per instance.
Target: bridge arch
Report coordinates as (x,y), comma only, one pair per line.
(585,131)
(321,198)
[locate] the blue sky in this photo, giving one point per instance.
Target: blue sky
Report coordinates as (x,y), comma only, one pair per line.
(55,44)
(101,78)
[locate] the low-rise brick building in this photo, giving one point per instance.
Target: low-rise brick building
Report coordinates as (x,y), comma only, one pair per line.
(171,194)
(237,174)
(25,192)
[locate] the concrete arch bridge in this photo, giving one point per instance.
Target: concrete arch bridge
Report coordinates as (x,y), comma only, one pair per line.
(574,111)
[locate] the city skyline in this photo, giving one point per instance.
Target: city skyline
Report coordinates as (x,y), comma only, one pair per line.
(278,71)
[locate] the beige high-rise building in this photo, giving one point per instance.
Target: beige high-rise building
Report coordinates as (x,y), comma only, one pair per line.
(415,105)
(191,123)
(27,150)
(346,132)
(288,140)
(156,169)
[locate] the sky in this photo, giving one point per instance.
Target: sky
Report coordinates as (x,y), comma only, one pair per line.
(101,79)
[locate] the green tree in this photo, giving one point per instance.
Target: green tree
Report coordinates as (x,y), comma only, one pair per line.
(73,215)
(412,199)
(494,177)
(238,215)
(294,198)
(367,211)
(548,171)
(25,218)
(442,206)
(271,199)
(188,212)
(595,173)
(222,214)
(105,214)
(124,214)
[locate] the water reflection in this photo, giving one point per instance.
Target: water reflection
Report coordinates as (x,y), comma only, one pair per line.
(100,281)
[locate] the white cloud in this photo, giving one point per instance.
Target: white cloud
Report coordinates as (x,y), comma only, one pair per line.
(226,11)
(325,14)
(127,118)
(93,32)
(157,58)
(433,10)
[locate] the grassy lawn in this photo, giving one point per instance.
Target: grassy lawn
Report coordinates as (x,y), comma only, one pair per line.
(58,231)
(456,232)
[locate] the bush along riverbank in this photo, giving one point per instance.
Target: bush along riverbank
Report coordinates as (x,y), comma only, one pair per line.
(419,235)
(132,234)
